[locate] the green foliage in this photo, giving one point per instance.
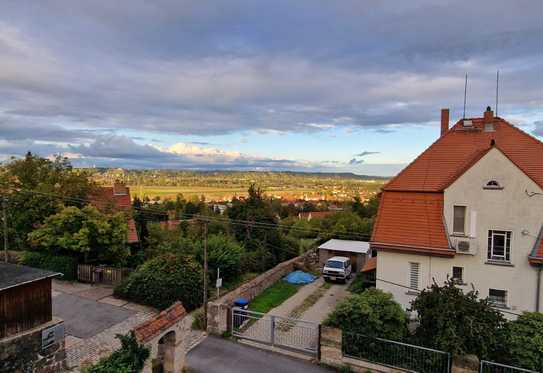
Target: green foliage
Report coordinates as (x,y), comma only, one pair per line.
(343,225)
(66,265)
(457,322)
(373,313)
(198,321)
(37,188)
(163,241)
(130,358)
(525,341)
(273,296)
(224,253)
(86,233)
(161,281)
(361,283)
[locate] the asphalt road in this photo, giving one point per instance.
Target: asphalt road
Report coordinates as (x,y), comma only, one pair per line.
(216,355)
(85,318)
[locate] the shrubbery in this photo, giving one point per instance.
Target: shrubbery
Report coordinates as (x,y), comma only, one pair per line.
(458,322)
(525,341)
(161,281)
(130,358)
(224,253)
(66,265)
(373,313)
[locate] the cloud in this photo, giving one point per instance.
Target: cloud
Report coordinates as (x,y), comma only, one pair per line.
(355,161)
(538,131)
(365,153)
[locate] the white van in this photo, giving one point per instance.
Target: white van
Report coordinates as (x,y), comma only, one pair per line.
(337,268)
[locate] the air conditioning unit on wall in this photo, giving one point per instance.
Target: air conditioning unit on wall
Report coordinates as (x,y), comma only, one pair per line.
(465,245)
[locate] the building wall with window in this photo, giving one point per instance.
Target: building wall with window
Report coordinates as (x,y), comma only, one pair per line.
(505,207)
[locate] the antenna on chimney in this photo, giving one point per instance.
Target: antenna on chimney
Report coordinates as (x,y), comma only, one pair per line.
(497,89)
(465,94)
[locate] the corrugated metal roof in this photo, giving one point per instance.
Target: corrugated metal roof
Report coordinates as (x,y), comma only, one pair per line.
(360,247)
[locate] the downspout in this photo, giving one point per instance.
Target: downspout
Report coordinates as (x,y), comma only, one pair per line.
(538,287)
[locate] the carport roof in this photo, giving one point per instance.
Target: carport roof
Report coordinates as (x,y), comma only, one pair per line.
(12,275)
(359,247)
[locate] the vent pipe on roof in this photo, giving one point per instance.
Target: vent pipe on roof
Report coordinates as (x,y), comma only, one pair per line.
(444,121)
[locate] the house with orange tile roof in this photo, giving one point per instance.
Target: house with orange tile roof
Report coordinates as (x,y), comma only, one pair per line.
(116,198)
(470,208)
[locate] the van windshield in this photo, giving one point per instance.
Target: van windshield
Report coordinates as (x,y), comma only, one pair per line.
(334,264)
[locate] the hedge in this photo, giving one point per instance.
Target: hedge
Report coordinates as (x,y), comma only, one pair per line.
(161,281)
(66,265)
(130,358)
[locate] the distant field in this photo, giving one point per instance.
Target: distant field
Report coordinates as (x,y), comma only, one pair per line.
(210,193)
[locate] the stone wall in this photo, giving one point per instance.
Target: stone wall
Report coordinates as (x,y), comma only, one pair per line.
(23,352)
(218,311)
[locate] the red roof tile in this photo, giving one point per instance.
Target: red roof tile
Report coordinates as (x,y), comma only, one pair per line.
(370,265)
(410,216)
(411,221)
(165,319)
(115,198)
(452,154)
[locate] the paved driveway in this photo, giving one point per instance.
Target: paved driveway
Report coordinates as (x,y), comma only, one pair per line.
(84,317)
(217,355)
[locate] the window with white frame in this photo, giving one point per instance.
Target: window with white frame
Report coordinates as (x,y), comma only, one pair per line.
(497,297)
(459,219)
(499,245)
(414,273)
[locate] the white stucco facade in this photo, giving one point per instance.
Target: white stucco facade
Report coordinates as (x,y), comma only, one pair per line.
(508,208)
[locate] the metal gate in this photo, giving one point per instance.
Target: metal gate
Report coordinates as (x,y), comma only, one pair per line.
(292,334)
(490,367)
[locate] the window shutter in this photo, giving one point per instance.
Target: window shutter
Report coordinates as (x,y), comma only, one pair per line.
(414,271)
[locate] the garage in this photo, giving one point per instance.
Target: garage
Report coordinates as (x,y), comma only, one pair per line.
(357,251)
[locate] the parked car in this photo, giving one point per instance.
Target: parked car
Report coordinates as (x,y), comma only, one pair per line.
(337,268)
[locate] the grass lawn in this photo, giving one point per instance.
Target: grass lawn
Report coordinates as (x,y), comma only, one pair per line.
(273,296)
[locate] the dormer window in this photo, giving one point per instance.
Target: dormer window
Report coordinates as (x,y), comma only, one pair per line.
(492,184)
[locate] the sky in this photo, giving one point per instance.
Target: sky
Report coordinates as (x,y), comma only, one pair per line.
(306,85)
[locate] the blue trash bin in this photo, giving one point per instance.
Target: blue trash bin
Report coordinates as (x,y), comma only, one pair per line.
(241,314)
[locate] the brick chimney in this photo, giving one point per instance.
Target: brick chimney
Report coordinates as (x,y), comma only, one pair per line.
(444,121)
(489,115)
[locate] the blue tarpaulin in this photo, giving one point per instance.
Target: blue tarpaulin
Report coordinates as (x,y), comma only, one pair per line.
(299,277)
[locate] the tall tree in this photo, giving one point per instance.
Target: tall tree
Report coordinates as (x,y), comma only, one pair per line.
(37,188)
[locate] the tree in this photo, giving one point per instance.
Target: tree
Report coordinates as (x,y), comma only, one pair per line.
(163,280)
(457,322)
(255,225)
(85,233)
(373,313)
(37,188)
(224,253)
(345,225)
(525,341)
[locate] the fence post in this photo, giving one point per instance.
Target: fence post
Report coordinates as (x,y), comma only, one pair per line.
(272,320)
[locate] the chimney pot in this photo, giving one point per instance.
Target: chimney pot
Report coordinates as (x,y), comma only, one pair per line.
(444,121)
(489,115)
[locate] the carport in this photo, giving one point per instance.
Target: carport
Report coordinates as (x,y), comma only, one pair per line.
(356,250)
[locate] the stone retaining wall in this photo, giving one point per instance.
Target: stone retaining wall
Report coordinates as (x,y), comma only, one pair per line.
(218,311)
(23,352)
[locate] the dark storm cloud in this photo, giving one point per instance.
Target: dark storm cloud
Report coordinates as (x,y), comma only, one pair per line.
(210,68)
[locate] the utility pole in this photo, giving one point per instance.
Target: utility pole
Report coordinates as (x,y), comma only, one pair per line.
(205,273)
(5,224)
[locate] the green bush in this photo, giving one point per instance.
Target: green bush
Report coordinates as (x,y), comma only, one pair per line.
(525,342)
(161,281)
(458,322)
(198,321)
(361,283)
(130,358)
(66,265)
(373,313)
